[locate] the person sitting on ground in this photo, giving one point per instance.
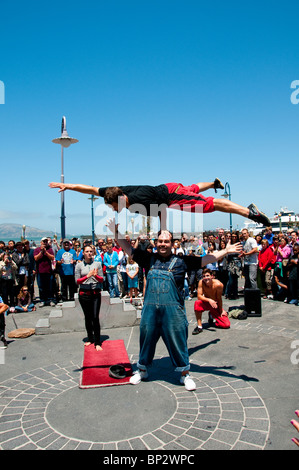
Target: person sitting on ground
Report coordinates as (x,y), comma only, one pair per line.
(280,289)
(209,295)
(25,303)
(148,199)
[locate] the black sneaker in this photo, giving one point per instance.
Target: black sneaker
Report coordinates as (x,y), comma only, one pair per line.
(258,216)
(218,184)
(197,330)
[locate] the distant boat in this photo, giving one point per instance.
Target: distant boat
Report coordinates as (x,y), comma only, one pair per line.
(280,222)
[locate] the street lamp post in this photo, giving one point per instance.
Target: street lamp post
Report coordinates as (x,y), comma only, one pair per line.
(65,141)
(92,198)
(227,194)
(279,215)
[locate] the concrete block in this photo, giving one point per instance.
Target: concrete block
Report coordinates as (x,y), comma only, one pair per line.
(55,313)
(43,323)
(69,317)
(70,304)
(42,326)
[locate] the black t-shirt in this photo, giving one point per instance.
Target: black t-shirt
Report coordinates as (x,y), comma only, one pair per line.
(182,265)
(143,196)
(293,269)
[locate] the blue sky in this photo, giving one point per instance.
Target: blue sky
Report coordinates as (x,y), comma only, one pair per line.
(155,91)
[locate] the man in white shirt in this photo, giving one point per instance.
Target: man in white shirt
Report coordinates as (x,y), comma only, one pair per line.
(250,257)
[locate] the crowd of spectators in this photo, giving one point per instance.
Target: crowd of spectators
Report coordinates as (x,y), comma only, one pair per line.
(268,261)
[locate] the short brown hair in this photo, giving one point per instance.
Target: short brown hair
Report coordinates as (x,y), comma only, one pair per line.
(112,194)
(207,270)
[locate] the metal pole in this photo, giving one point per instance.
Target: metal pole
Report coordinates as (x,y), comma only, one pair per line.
(92,198)
(230,215)
(92,219)
(62,218)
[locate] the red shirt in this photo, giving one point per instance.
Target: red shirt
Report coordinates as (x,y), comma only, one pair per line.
(266,258)
(44,265)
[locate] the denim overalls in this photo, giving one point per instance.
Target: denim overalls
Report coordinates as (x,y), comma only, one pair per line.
(163,315)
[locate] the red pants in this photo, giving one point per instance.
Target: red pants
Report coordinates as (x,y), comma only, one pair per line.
(189,197)
(221,321)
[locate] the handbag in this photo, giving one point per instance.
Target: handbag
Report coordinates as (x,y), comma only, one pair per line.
(234,267)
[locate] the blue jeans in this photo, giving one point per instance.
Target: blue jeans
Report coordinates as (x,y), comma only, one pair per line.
(20,309)
(232,285)
(163,315)
(113,284)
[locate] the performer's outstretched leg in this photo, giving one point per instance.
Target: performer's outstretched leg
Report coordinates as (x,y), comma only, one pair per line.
(250,212)
(216,184)
(188,198)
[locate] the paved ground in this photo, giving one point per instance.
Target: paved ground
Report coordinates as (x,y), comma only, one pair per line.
(247,390)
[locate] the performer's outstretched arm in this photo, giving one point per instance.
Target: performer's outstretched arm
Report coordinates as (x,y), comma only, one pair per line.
(212,258)
(80,188)
(120,238)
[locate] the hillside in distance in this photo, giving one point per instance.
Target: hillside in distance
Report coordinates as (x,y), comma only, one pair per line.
(15,232)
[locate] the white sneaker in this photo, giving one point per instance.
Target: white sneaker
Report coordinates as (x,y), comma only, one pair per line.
(188,382)
(138,376)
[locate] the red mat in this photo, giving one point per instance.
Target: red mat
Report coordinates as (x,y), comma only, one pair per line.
(96,364)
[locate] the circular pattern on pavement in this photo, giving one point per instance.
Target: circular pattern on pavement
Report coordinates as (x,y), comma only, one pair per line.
(224,412)
(107,414)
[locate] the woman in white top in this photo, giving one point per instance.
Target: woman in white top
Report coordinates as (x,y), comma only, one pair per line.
(89,277)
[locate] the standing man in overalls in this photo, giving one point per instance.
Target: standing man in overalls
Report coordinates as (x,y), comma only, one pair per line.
(163,313)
